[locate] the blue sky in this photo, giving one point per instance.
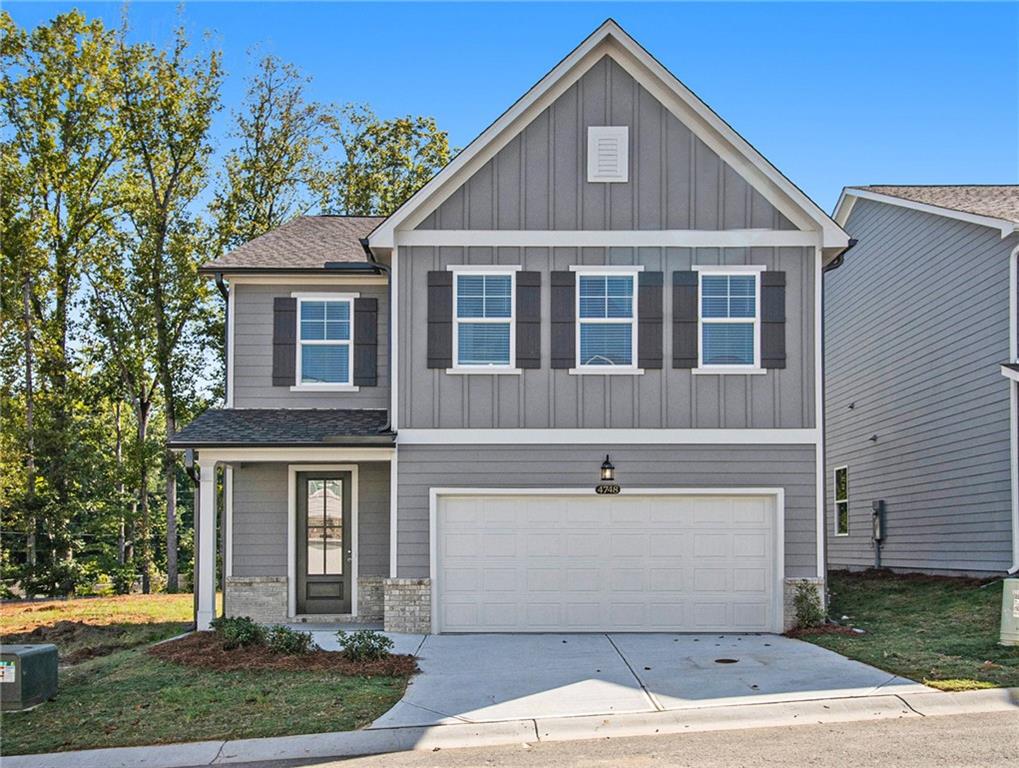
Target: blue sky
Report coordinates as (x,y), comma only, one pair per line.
(833,94)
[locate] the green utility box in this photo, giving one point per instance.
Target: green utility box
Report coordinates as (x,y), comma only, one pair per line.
(1010,612)
(28,675)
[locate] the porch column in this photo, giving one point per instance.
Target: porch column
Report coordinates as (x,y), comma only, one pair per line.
(206,586)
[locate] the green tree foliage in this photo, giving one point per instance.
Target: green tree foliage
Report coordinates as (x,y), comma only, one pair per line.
(384,162)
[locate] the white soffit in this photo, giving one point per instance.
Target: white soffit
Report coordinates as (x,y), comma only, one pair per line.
(610,39)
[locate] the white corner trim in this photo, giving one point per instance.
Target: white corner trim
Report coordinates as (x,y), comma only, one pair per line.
(231,342)
(484,370)
(1013,398)
(483,269)
(851,194)
(394,518)
(777,494)
(819,453)
(608,436)
(605,370)
(228,502)
(728,370)
(733,269)
(394,340)
(610,39)
(292,471)
(607,238)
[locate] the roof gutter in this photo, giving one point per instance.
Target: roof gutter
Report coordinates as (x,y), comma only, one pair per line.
(225,293)
(837,261)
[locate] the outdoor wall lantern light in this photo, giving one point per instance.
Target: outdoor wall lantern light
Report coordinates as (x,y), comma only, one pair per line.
(607,484)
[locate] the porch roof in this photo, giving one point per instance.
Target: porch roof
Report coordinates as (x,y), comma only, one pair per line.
(285,428)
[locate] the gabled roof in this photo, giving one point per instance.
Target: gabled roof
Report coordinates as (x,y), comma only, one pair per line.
(610,39)
(304,243)
(284,428)
(991,205)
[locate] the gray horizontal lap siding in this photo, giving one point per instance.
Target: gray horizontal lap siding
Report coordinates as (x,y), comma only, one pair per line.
(258,537)
(916,323)
(544,398)
(253,348)
(539,179)
(572,466)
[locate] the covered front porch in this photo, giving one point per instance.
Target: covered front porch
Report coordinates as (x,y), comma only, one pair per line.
(293,516)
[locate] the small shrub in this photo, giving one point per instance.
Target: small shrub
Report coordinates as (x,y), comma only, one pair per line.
(364,645)
(283,639)
(238,631)
(807,602)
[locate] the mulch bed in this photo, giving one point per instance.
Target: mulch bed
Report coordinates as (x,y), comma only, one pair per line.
(102,639)
(824,629)
(205,650)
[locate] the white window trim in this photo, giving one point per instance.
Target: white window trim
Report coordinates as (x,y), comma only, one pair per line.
(492,270)
(347,386)
(725,271)
(836,500)
(614,270)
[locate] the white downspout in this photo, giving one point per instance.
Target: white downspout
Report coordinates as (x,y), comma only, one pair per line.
(1013,399)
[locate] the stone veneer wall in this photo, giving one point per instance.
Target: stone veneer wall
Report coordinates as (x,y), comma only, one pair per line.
(788,604)
(370,597)
(263,598)
(408,605)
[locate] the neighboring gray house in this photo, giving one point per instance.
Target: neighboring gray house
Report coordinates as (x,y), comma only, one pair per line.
(921,378)
(608,270)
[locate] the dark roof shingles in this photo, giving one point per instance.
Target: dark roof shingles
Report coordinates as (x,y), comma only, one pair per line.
(999,201)
(307,242)
(283,427)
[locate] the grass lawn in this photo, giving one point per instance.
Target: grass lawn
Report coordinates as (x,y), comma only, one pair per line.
(940,631)
(126,697)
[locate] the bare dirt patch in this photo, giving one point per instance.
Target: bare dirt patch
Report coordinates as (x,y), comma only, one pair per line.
(823,629)
(205,650)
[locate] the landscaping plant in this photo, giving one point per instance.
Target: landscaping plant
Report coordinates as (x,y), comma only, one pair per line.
(283,639)
(238,631)
(807,603)
(364,645)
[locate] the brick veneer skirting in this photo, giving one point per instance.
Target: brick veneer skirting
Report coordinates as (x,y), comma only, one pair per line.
(370,597)
(408,605)
(263,598)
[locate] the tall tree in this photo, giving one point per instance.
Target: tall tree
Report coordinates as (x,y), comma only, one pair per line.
(275,170)
(60,108)
(384,162)
(168,100)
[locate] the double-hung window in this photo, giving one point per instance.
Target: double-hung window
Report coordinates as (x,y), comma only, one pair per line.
(483,336)
(325,328)
(842,501)
(730,319)
(606,321)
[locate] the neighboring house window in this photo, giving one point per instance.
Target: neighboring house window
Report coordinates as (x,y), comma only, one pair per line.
(729,320)
(483,320)
(842,501)
(606,321)
(325,330)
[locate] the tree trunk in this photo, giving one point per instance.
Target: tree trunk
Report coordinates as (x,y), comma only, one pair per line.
(171,517)
(26,294)
(145,535)
(119,454)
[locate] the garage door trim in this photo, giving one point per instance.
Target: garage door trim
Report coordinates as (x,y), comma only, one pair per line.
(778,494)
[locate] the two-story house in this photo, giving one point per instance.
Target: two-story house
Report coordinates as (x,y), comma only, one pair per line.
(608,287)
(922,380)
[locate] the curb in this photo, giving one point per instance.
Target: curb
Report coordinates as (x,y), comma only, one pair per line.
(381,740)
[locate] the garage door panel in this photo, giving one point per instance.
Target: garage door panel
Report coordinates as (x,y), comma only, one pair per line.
(656,563)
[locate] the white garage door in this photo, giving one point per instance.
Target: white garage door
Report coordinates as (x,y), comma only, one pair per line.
(586,563)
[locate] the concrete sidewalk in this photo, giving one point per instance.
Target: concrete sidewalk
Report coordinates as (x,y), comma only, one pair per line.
(906,704)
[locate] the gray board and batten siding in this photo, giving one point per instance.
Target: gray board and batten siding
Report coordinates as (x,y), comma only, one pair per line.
(258,535)
(916,325)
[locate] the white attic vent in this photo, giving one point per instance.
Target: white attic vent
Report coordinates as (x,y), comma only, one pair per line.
(607,153)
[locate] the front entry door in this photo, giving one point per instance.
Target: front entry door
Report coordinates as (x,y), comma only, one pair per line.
(324,542)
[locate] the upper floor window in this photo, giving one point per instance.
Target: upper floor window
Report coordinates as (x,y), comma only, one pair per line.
(729,319)
(842,501)
(606,321)
(483,320)
(325,330)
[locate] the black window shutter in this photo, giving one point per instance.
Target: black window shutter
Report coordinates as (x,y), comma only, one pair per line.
(366,342)
(564,329)
(440,319)
(684,319)
(284,341)
(649,320)
(773,319)
(528,321)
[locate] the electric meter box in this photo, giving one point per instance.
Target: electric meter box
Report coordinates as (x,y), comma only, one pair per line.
(28,675)
(1010,612)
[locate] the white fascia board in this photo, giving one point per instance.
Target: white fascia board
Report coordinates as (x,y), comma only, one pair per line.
(1009,373)
(663,238)
(850,195)
(211,456)
(293,278)
(610,39)
(608,436)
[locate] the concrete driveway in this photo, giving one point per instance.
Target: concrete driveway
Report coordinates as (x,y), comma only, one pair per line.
(486,678)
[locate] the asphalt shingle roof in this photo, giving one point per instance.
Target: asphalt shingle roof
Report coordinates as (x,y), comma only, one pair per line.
(306,242)
(282,427)
(997,201)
